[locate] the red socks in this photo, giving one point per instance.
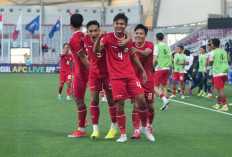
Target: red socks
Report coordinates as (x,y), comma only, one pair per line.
(174,91)
(68,90)
(60,88)
(161,96)
(182,91)
(218,101)
(112,110)
(224,101)
(150,116)
(121,118)
(135,119)
(82,111)
(94,112)
(143,115)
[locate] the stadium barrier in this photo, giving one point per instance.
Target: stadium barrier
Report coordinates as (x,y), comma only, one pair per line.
(32,69)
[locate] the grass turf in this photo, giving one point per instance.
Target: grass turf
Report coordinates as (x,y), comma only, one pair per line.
(34,124)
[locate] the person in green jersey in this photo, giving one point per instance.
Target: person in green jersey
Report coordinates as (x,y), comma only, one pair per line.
(180,60)
(210,85)
(162,63)
(219,61)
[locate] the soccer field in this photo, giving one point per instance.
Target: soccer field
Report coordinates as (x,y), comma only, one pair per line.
(34,123)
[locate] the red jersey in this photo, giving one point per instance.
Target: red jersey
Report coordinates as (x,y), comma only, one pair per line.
(98,67)
(76,45)
(145,61)
(118,59)
(66,61)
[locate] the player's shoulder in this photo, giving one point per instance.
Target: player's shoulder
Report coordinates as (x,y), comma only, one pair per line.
(149,44)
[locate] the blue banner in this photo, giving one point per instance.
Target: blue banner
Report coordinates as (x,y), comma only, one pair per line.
(40,69)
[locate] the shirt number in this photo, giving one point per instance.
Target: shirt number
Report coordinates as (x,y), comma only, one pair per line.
(68,62)
(99,54)
(120,55)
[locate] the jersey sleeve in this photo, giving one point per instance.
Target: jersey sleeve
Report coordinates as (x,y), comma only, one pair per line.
(76,46)
(150,46)
(155,52)
(104,40)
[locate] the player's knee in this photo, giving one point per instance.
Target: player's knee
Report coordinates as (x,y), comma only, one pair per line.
(119,105)
(95,98)
(135,106)
(150,107)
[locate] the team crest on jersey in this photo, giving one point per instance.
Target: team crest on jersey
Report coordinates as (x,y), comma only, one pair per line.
(126,50)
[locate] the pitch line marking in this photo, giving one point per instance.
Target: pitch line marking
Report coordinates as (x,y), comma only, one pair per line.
(197,106)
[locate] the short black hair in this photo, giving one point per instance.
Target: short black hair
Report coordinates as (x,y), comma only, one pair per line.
(76,20)
(121,16)
(181,47)
(216,42)
(141,26)
(187,52)
(160,36)
(203,47)
(209,44)
(94,22)
(65,44)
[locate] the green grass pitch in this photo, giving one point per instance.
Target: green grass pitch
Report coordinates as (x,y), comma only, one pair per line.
(33,123)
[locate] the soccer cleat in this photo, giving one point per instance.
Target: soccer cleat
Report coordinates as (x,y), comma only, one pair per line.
(122,139)
(147,133)
(150,129)
(199,94)
(216,107)
(136,135)
(209,96)
(86,123)
(204,94)
(224,108)
(172,96)
(182,96)
(165,105)
(111,134)
(68,98)
(104,99)
(59,97)
(95,135)
(78,133)
(166,108)
(179,91)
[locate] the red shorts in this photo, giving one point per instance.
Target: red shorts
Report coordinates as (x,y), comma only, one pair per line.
(149,92)
(96,84)
(219,81)
(161,77)
(65,76)
(125,88)
(178,77)
(79,87)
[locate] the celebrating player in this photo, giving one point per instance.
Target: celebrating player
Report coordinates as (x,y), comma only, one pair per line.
(162,63)
(180,60)
(143,50)
(80,72)
(65,71)
(98,78)
(210,85)
(219,60)
(122,75)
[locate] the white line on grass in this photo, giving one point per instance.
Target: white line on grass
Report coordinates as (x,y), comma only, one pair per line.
(201,107)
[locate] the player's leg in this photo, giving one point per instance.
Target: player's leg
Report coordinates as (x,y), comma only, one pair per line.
(222,94)
(135,119)
(68,82)
(200,77)
(182,84)
(79,87)
(112,108)
(62,81)
(174,79)
(205,80)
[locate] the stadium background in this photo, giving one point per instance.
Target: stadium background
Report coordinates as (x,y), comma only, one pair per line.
(34,123)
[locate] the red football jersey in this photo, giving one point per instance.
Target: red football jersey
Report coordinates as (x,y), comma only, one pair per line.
(145,61)
(117,58)
(66,61)
(98,67)
(76,45)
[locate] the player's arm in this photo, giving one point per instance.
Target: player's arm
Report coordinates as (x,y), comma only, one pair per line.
(84,59)
(98,46)
(147,52)
(211,57)
(139,65)
(125,42)
(186,61)
(62,54)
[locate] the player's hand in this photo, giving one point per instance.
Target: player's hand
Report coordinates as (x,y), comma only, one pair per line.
(123,43)
(194,70)
(102,33)
(144,77)
(133,50)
